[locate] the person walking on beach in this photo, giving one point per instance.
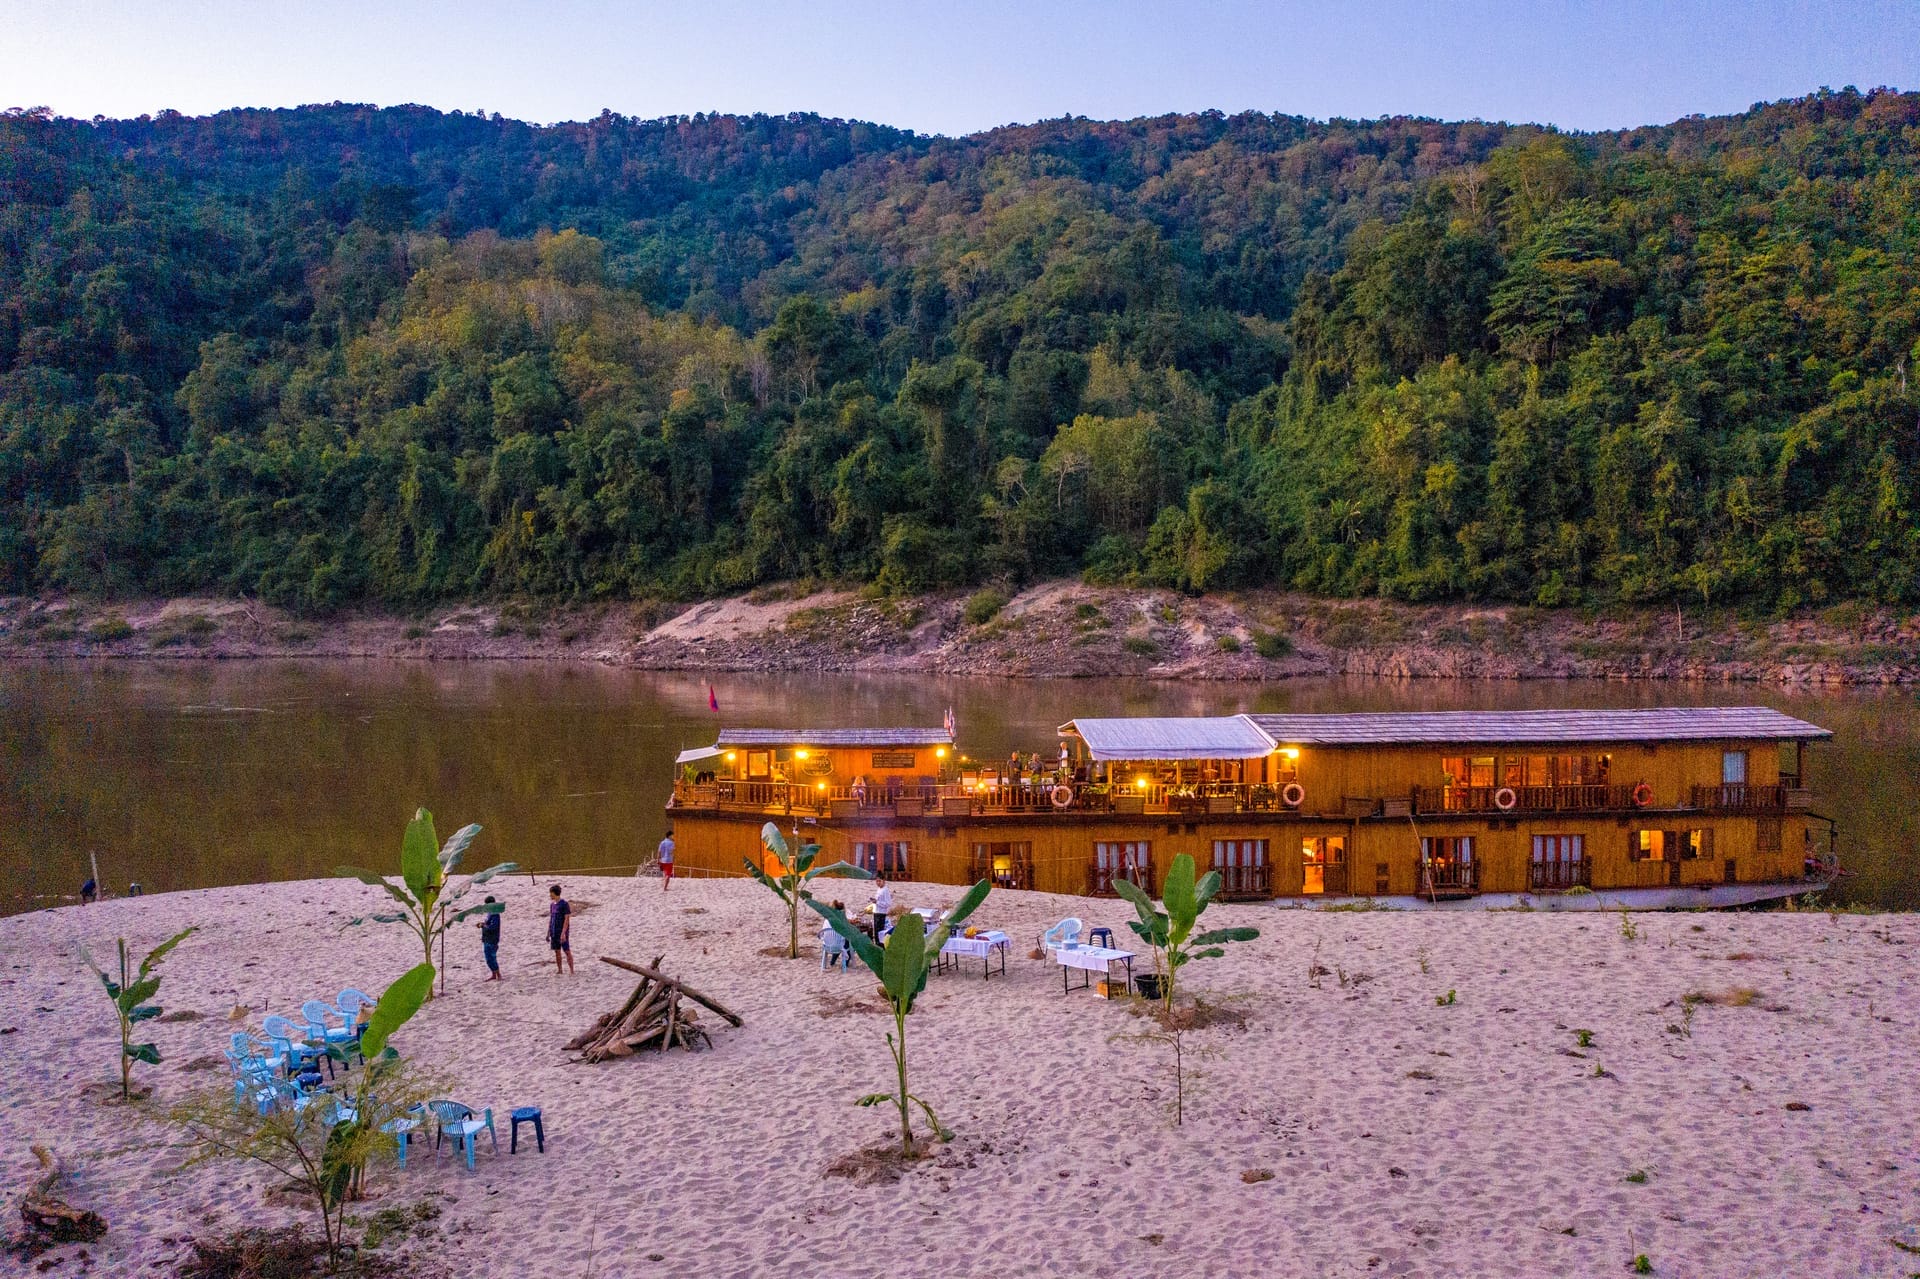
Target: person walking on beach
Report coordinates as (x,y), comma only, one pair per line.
(490,940)
(665,853)
(560,930)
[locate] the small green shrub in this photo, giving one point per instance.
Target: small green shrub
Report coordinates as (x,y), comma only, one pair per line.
(1085,612)
(1583,1037)
(1641,1264)
(984,605)
(1272,645)
(1637,1177)
(110,629)
(1141,646)
(1447,1000)
(414,633)
(1227,644)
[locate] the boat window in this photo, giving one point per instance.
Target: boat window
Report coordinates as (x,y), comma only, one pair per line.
(1239,852)
(759,765)
(887,859)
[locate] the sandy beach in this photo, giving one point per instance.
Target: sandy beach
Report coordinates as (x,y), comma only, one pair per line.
(1353,1126)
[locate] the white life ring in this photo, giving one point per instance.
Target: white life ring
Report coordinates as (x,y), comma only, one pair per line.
(1061,796)
(1293,794)
(1504,799)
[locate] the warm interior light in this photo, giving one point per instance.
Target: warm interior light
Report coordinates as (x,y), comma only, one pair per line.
(731,756)
(1141,782)
(801,753)
(819,785)
(1291,752)
(939,752)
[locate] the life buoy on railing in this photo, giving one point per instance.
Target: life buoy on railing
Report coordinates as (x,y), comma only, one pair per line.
(1061,796)
(1293,794)
(1504,799)
(1642,795)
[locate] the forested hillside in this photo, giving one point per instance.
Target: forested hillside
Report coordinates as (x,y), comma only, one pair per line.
(341,353)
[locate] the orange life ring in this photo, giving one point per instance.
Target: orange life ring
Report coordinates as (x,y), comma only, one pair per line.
(1062,796)
(1504,799)
(1293,794)
(1642,795)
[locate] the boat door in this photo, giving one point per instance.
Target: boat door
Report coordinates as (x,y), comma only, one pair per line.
(1324,864)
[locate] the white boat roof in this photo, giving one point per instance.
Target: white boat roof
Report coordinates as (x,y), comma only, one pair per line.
(1186,737)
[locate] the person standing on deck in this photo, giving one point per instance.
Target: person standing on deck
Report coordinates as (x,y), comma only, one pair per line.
(490,941)
(560,930)
(665,854)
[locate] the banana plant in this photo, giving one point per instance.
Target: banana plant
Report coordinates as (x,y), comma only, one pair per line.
(791,884)
(1170,931)
(129,996)
(425,899)
(902,966)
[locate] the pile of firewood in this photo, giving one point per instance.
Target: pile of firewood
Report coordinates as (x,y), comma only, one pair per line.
(652,1017)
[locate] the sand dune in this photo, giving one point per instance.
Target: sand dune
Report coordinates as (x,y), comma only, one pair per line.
(1403,1137)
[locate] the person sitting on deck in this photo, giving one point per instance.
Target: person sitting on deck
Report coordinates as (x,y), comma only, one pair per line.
(859,789)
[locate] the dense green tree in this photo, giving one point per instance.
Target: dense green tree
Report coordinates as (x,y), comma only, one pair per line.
(341,353)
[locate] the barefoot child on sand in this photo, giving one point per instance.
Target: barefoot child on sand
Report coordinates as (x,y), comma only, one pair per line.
(560,931)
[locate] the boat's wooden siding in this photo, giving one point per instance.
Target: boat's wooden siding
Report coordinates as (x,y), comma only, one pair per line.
(1063,848)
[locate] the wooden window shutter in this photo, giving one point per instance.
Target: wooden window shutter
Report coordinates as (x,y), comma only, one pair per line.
(1634,851)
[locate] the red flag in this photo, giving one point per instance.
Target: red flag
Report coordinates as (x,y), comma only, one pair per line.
(713,702)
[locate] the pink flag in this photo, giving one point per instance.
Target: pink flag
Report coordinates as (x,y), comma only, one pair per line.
(713,702)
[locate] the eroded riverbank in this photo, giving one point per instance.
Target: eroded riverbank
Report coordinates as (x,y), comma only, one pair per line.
(1054,629)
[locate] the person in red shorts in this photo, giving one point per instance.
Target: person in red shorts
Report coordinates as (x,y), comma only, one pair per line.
(665,854)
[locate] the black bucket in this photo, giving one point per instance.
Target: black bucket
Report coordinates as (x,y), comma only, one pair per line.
(1147,985)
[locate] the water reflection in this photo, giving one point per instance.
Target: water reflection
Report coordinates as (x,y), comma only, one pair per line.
(190,774)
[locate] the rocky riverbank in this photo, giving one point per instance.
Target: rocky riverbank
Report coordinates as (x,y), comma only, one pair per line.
(1054,629)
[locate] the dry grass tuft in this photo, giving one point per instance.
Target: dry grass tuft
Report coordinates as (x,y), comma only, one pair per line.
(874,1166)
(1732,997)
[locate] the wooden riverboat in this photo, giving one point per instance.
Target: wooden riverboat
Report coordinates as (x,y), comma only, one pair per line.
(1565,809)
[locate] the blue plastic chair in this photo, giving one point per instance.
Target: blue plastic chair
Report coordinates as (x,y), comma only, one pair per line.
(834,949)
(253,1080)
(462,1121)
(402,1130)
(289,1039)
(1062,933)
(352,1002)
(248,1048)
(344,1036)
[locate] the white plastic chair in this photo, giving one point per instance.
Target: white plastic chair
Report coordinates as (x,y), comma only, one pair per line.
(834,950)
(1061,934)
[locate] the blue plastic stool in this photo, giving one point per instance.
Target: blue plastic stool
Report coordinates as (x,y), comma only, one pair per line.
(1100,937)
(527,1115)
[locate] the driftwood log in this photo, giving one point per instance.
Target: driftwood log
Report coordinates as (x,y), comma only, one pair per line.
(54,1219)
(651,1017)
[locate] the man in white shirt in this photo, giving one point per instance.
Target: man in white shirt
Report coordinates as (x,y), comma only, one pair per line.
(882,907)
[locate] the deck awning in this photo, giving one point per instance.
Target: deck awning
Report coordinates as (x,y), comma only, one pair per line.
(698,753)
(1211,737)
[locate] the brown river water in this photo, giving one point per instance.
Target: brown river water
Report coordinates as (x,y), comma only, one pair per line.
(194,774)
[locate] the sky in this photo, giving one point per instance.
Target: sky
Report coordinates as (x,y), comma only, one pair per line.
(960,66)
